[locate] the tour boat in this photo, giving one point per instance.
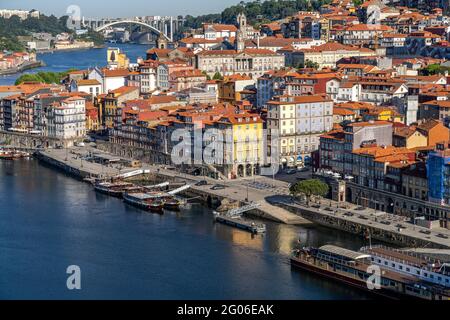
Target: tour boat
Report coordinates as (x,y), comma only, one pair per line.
(113,189)
(358,269)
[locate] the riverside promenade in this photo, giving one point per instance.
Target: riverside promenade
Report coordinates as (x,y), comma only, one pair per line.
(71,161)
(369,223)
(272,195)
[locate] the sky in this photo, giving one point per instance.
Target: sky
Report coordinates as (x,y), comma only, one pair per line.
(124,8)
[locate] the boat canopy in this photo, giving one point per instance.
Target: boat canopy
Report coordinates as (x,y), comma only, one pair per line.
(349,254)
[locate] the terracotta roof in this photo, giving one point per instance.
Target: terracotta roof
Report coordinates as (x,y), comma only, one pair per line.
(88,82)
(369,123)
(115,73)
(343,112)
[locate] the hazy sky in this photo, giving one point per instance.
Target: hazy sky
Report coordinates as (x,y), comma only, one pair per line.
(124,8)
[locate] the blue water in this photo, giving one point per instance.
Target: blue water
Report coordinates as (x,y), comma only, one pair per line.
(49,221)
(83,59)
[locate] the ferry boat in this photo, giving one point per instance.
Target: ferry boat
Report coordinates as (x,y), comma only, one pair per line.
(355,268)
(113,189)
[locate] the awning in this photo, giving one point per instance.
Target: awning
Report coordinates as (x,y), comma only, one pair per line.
(299,158)
(283,160)
(291,159)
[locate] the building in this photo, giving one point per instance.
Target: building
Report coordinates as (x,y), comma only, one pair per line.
(328,54)
(110,105)
(415,182)
(438,186)
(409,137)
(236,88)
(435,109)
(117,59)
(434,130)
(297,122)
(244,155)
(92,87)
(67,119)
(166,68)
(251,62)
(186,79)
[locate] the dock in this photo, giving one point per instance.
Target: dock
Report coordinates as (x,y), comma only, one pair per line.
(73,161)
(240,223)
(234,218)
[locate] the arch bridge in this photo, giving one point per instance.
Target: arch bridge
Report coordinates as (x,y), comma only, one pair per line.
(152,28)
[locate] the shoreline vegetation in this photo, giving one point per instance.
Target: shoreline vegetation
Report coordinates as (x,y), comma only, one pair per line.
(43,77)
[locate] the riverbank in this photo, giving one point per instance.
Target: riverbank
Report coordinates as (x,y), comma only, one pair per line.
(51,51)
(24,67)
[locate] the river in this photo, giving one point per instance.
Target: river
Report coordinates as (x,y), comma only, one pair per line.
(49,221)
(81,59)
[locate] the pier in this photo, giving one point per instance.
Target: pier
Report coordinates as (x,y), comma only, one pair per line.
(73,161)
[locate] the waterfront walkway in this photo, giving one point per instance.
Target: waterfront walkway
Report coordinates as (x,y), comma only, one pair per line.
(387,225)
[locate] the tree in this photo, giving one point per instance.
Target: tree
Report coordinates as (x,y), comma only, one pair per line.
(433,69)
(217,76)
(311,187)
(43,77)
(310,64)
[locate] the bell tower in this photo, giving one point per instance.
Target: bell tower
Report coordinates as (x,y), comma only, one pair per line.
(161,42)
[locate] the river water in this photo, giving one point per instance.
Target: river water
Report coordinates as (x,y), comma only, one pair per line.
(82,59)
(49,221)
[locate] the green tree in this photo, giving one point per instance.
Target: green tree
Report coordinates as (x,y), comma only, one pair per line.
(43,77)
(217,76)
(434,68)
(309,188)
(310,64)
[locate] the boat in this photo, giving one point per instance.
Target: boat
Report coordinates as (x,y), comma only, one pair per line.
(113,189)
(13,155)
(172,204)
(144,201)
(156,205)
(359,269)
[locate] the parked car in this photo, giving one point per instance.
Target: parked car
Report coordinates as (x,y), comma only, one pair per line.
(291,171)
(201,183)
(440,235)
(349,214)
(218,187)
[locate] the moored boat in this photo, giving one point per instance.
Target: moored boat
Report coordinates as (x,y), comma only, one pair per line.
(113,189)
(172,204)
(360,269)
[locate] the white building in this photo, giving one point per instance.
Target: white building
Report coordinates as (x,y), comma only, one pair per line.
(148,78)
(109,79)
(92,87)
(67,120)
(298,122)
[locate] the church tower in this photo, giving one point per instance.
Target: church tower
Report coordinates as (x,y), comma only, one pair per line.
(240,34)
(161,42)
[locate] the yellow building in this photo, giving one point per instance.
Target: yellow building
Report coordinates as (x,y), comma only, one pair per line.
(117,59)
(385,114)
(245,156)
(409,137)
